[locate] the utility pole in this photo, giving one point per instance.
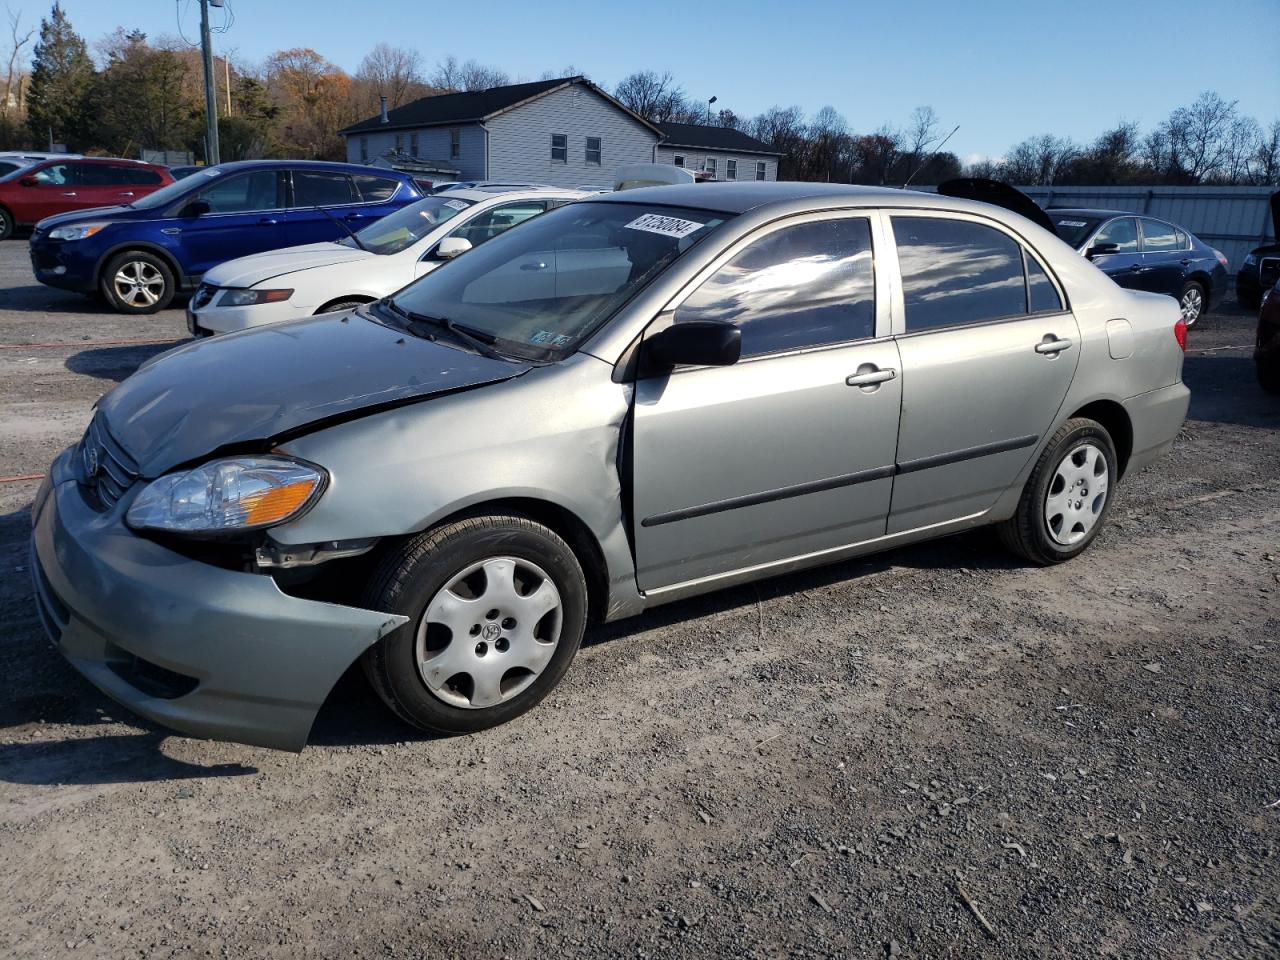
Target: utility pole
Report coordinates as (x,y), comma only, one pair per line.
(210,91)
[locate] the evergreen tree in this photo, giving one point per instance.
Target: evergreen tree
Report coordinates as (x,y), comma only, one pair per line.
(62,85)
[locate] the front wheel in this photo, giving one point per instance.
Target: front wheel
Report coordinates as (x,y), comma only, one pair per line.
(497,606)
(1067,496)
(340,305)
(6,224)
(1193,302)
(137,282)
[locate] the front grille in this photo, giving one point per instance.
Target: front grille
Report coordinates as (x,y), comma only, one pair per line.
(105,467)
(1269,271)
(204,294)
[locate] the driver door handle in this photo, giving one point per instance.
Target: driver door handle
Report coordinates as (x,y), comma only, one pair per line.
(1052,345)
(267,222)
(869,375)
(70,193)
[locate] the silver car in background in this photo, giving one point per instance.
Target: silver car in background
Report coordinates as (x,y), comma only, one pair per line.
(627,401)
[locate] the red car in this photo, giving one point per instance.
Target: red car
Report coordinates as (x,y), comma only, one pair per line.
(60,186)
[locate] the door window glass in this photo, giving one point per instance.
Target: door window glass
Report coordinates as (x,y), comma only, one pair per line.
(957,272)
(487,225)
(58,175)
(1122,232)
(1158,237)
(1040,289)
(243,194)
(376,189)
(801,286)
(313,188)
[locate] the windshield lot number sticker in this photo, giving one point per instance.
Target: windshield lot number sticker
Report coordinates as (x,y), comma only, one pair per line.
(666,226)
(455,204)
(1072,223)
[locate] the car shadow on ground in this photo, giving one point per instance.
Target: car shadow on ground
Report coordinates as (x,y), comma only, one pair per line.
(40,694)
(118,362)
(1225,389)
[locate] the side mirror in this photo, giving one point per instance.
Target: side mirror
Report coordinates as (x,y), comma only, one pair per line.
(1102,250)
(196,208)
(29,182)
(699,343)
(451,247)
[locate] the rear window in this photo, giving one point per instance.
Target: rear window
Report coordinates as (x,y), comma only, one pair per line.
(316,188)
(1073,228)
(376,189)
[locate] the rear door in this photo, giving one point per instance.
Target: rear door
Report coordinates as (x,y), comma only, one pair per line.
(1125,265)
(315,192)
(244,217)
(781,454)
(988,352)
(131,181)
(1165,257)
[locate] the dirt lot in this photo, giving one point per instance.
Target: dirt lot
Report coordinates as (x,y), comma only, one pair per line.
(935,752)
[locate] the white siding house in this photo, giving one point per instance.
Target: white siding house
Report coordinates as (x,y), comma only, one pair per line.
(721,152)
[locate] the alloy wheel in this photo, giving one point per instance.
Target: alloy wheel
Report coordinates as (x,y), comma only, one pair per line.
(138,283)
(489,632)
(1077,494)
(1192,305)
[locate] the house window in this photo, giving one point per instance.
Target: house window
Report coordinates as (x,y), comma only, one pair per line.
(559,148)
(399,142)
(731,169)
(759,169)
(709,165)
(364,149)
(679,160)
(455,143)
(413,144)
(593,151)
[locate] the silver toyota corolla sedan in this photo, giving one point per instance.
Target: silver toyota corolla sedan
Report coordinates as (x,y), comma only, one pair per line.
(629,400)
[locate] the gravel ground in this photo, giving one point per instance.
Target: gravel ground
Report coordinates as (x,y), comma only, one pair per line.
(933,752)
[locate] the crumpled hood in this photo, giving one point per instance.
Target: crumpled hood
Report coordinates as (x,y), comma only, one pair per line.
(260,383)
(254,269)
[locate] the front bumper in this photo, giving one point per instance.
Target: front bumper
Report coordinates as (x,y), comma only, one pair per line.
(59,264)
(209,320)
(1156,417)
(209,652)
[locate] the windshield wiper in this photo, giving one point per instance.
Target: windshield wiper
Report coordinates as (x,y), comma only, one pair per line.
(343,224)
(478,340)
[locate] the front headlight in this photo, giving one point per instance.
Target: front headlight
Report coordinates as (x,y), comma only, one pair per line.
(81,231)
(1250,259)
(247,298)
(228,496)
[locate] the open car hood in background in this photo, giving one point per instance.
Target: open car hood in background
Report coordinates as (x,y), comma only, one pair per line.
(1002,195)
(1275,217)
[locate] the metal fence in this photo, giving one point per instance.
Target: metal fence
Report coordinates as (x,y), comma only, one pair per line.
(1232,219)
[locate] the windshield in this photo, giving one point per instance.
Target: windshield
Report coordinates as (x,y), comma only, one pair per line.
(1072,227)
(540,290)
(178,189)
(408,225)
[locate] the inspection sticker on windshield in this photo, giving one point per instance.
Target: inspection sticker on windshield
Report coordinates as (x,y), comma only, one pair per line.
(456,204)
(667,226)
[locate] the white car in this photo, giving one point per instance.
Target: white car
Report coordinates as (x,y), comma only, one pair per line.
(378,260)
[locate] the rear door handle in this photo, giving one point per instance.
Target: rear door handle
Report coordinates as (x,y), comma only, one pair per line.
(268,222)
(354,216)
(869,375)
(1136,268)
(126,193)
(1053,345)
(70,194)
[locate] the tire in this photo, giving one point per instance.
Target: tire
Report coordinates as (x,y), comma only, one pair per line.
(137,282)
(448,681)
(1268,375)
(1194,301)
(340,305)
(1046,532)
(6,224)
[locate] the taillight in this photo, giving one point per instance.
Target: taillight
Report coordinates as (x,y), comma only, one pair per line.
(1180,333)
(1221,258)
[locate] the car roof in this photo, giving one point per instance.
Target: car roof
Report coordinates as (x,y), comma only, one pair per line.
(477,194)
(1094,212)
(334,165)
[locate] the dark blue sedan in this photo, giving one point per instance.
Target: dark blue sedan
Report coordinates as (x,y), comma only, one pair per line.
(139,256)
(1144,253)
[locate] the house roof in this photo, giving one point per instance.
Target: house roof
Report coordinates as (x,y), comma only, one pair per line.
(712,138)
(456,108)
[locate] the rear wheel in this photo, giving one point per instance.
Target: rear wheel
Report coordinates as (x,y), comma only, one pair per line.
(497,606)
(6,224)
(1067,496)
(1193,301)
(137,282)
(1269,374)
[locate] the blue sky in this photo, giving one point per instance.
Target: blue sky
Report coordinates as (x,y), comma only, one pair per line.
(1002,70)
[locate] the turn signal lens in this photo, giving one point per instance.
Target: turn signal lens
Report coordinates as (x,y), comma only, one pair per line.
(1180,333)
(228,496)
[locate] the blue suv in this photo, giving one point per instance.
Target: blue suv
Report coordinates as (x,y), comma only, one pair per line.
(139,256)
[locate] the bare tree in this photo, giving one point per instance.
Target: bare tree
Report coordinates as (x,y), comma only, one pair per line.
(1267,160)
(1039,161)
(1198,135)
(393,72)
(655,96)
(921,133)
(468,77)
(13,81)
(1240,150)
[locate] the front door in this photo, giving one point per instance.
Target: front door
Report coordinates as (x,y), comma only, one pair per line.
(1125,265)
(57,190)
(988,353)
(790,451)
(1164,257)
(244,217)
